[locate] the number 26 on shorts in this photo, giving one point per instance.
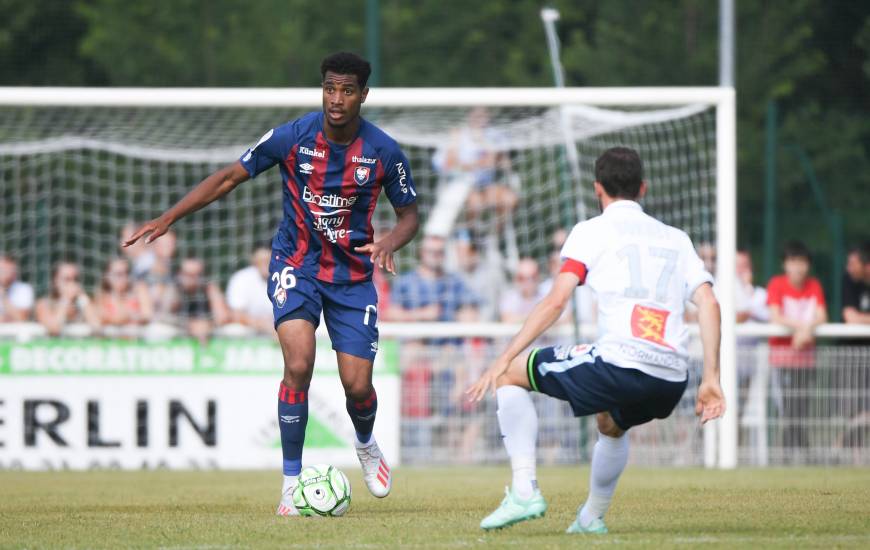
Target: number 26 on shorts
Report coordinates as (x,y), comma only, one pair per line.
(283,280)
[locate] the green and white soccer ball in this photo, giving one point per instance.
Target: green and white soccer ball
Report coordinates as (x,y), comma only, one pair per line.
(323,490)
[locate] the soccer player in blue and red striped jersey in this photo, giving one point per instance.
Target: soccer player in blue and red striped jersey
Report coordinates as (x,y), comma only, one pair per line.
(333,164)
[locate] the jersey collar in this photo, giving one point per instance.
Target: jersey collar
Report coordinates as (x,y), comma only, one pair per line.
(624,204)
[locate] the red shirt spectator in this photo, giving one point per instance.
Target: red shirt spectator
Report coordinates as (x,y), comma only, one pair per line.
(797,306)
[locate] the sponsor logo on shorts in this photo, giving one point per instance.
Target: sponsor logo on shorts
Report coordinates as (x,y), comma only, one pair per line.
(374,347)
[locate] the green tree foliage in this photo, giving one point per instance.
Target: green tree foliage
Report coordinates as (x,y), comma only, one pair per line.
(811,56)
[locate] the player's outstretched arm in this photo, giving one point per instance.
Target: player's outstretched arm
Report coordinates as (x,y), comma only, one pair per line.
(711,401)
(210,189)
(408,221)
(545,313)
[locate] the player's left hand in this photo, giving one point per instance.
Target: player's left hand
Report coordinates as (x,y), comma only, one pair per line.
(711,401)
(381,254)
(487,381)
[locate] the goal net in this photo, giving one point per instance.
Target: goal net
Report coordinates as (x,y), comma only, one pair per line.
(501,175)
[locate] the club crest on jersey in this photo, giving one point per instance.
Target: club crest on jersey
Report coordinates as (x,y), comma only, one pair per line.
(361,174)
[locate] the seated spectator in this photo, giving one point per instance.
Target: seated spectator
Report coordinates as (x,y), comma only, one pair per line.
(472,151)
(158,278)
(518,301)
(120,301)
(199,303)
(797,301)
(140,255)
(751,299)
(429,293)
(67,303)
(16,297)
(247,294)
(856,286)
(484,279)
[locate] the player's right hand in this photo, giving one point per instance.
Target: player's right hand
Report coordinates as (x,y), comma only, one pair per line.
(711,401)
(155,227)
(487,381)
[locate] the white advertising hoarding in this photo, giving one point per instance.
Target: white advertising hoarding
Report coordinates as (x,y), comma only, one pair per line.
(67,404)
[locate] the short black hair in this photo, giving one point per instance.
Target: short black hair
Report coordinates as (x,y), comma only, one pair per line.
(795,249)
(863,252)
(347,63)
(620,171)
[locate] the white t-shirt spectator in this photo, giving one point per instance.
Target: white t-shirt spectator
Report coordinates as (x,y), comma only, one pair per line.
(19,295)
(514,304)
(246,292)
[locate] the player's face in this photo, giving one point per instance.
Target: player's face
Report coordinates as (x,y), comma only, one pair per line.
(342,98)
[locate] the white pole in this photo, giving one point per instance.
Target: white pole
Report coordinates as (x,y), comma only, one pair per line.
(726,43)
(726,251)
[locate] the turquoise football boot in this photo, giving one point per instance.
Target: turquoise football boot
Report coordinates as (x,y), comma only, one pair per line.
(513,510)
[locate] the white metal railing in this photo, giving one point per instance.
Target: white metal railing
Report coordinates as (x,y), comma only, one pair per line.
(23,332)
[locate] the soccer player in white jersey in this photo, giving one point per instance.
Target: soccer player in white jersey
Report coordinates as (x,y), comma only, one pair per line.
(643,272)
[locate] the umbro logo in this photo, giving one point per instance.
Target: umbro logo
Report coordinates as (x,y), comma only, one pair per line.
(366,417)
(287,419)
(306,168)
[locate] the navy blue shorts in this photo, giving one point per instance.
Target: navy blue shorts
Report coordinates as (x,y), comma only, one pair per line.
(578,375)
(350,310)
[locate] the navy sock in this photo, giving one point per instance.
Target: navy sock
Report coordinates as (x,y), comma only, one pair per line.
(362,415)
(292,419)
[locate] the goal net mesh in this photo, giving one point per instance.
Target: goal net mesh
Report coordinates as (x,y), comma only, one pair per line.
(72,177)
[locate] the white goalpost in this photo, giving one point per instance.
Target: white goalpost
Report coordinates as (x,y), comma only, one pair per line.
(76,164)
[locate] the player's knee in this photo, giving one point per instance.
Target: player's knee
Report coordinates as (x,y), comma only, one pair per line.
(516,374)
(297,373)
(607,426)
(358,391)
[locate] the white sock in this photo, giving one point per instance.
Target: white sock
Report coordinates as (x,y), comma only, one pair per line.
(288,481)
(518,421)
(608,461)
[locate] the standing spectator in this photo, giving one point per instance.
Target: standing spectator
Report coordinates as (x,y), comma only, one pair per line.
(856,286)
(247,294)
(16,297)
(429,293)
(707,253)
(67,302)
(518,301)
(120,301)
(199,304)
(797,301)
(751,305)
(158,278)
(484,279)
(854,376)
(751,300)
(140,255)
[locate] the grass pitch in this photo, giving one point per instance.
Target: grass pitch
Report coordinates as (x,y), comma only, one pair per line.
(436,508)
